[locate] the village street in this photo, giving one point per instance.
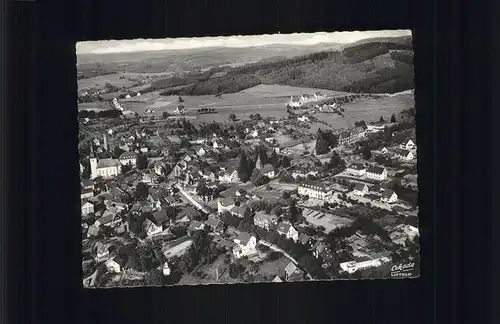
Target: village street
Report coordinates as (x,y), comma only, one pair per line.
(277,249)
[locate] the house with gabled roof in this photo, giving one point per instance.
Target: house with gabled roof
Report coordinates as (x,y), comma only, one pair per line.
(376,173)
(128,158)
(360,189)
(288,230)
(389,196)
(245,245)
(405,155)
(87,208)
(356,169)
(293,273)
(215,224)
(225,204)
(239,211)
(315,189)
(265,221)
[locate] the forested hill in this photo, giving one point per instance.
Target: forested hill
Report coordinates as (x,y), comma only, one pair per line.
(376,66)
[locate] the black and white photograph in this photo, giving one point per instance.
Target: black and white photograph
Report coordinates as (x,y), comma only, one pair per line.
(248,159)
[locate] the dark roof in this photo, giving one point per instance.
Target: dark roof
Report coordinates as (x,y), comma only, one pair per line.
(160,216)
(359,186)
(262,216)
(267,168)
(357,166)
(227,201)
(283,227)
(375,169)
(106,163)
(244,238)
(128,155)
(240,210)
(304,238)
(213,221)
(388,194)
(87,183)
(316,185)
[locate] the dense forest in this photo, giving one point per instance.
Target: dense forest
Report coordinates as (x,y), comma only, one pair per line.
(376,67)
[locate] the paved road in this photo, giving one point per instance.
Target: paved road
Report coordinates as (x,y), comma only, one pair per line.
(191,200)
(275,248)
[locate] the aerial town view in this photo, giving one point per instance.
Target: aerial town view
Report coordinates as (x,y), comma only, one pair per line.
(244,159)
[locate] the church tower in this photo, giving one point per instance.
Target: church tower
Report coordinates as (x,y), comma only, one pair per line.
(93,167)
(258,163)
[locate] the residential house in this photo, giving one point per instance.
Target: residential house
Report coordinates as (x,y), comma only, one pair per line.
(245,245)
(305,98)
(112,266)
(144,149)
(160,218)
(389,196)
(265,221)
(295,101)
(315,189)
(87,208)
(356,169)
(86,194)
(229,176)
(88,184)
(288,230)
(102,251)
(321,250)
(81,169)
(384,150)
(128,158)
(209,175)
(293,273)
(268,171)
(318,95)
(302,173)
(177,170)
(304,239)
(405,155)
(239,211)
(277,279)
(271,140)
(201,152)
(403,232)
(347,137)
(376,173)
(108,218)
(360,189)
(303,119)
(410,145)
(195,226)
(216,225)
(254,133)
(92,231)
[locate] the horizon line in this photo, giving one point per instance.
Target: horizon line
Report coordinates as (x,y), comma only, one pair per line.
(237,41)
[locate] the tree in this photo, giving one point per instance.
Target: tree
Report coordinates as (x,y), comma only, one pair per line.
(142,190)
(285,162)
(293,211)
(165,115)
(141,161)
(274,159)
(180,99)
(117,151)
(382,119)
(393,118)
(245,168)
(202,189)
(154,277)
(232,117)
(367,153)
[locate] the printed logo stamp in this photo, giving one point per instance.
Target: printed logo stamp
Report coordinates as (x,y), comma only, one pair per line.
(403,270)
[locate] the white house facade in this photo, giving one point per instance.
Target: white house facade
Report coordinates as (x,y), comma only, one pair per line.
(315,190)
(245,245)
(376,173)
(355,169)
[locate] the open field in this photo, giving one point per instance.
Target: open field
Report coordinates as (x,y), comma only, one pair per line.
(96,106)
(284,91)
(100,81)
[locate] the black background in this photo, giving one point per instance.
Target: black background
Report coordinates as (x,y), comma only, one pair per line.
(455,134)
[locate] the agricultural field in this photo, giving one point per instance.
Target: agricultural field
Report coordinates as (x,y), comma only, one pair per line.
(100,81)
(96,106)
(284,91)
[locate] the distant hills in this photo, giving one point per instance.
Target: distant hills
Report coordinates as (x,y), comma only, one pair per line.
(377,65)
(380,66)
(188,60)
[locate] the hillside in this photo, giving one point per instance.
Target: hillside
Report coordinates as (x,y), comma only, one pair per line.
(189,60)
(381,66)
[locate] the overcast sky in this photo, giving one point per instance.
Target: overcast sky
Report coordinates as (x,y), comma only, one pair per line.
(141,45)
